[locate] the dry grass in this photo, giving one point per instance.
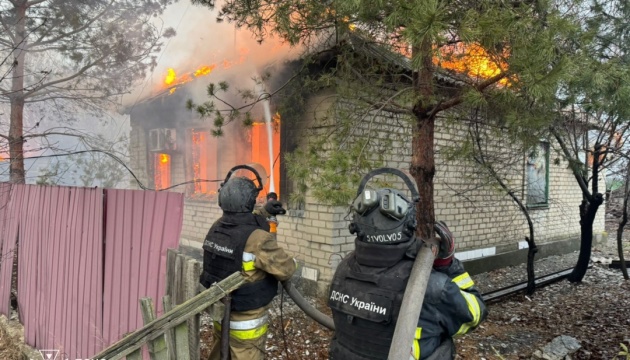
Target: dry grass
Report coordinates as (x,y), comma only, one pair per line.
(9,346)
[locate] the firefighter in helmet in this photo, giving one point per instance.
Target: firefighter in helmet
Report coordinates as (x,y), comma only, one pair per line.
(369,284)
(240,241)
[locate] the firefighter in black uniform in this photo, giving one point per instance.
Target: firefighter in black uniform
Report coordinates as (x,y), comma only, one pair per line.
(369,284)
(240,241)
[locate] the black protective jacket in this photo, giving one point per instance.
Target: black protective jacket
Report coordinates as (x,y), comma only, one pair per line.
(365,301)
(223,255)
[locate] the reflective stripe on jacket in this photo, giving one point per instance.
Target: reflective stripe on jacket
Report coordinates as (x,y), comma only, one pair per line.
(247,329)
(452,307)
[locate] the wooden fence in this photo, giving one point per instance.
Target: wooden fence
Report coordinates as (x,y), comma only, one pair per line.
(182,284)
(174,335)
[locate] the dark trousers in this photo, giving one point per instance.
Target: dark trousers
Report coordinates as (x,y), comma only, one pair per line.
(446,351)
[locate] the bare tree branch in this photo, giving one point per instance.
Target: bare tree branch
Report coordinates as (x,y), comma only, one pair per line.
(39,41)
(66,79)
(8,30)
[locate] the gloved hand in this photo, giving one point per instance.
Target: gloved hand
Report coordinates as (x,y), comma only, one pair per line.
(447,245)
(274,207)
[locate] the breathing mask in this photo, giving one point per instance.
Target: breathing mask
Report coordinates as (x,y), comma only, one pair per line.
(384,216)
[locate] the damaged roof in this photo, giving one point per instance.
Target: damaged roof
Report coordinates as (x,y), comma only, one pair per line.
(382,54)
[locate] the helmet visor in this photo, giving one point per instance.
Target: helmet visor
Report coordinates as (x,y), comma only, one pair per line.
(390,202)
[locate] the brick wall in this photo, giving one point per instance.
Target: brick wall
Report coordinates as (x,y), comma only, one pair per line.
(138,155)
(178,171)
(481,215)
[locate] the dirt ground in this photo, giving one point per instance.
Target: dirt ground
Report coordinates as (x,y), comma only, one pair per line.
(595,312)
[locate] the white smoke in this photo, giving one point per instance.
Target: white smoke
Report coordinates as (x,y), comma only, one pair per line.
(200,40)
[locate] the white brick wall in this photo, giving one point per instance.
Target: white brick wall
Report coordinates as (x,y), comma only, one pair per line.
(138,155)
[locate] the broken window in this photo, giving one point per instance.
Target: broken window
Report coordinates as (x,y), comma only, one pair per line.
(210,158)
(203,161)
(262,148)
(161,171)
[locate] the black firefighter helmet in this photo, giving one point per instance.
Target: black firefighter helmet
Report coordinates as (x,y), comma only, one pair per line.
(238,194)
(384,216)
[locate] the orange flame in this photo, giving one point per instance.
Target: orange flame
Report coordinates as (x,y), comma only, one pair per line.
(161,171)
(170,76)
(200,161)
(204,70)
(171,79)
(260,150)
(471,59)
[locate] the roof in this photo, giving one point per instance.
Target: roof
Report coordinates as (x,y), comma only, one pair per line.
(380,52)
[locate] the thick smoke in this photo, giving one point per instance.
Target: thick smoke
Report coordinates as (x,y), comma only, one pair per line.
(201,41)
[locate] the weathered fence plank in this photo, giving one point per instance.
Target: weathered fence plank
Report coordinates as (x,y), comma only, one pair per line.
(157,347)
(180,337)
(171,254)
(191,281)
(178,296)
(136,355)
(182,284)
(176,316)
(169,335)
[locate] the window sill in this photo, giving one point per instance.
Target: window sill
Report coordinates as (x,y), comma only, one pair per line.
(538,207)
(200,199)
(295,213)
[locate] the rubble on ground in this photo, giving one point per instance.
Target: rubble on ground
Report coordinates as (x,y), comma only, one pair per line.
(560,348)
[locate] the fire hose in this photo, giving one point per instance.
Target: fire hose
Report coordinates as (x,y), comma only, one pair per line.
(308,309)
(293,293)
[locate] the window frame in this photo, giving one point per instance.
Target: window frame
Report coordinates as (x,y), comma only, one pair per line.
(543,144)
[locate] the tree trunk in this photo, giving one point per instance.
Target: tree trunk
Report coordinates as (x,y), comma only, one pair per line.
(16,125)
(422,166)
(531,275)
(622,261)
(532,249)
(16,143)
(622,224)
(588,210)
(422,169)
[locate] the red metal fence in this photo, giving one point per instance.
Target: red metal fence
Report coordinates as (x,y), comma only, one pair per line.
(85,257)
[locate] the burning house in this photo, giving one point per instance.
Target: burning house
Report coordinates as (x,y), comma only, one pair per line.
(180,151)
(172,148)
